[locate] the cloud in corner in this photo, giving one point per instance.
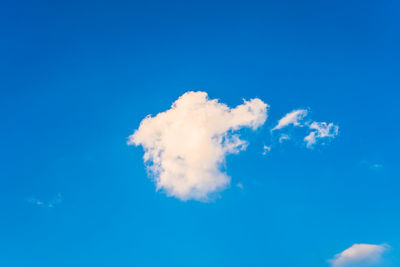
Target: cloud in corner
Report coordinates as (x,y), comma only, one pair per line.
(186,145)
(360,254)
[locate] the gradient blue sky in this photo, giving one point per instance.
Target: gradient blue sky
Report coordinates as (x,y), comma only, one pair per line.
(77,77)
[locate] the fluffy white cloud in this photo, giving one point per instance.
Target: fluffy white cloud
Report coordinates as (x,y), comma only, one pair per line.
(293,117)
(364,254)
(320,130)
(186,145)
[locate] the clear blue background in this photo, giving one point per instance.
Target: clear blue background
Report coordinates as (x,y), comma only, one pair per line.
(77,77)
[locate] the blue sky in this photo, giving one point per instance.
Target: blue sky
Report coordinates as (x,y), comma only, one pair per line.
(77,78)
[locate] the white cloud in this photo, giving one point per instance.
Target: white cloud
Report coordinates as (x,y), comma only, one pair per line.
(186,145)
(266,149)
(320,130)
(293,117)
(283,138)
(365,254)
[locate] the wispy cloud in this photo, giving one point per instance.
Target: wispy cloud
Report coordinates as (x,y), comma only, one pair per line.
(186,145)
(266,150)
(320,130)
(292,118)
(366,254)
(46,204)
(283,138)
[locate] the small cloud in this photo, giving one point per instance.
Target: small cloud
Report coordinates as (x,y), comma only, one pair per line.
(266,149)
(366,254)
(316,130)
(47,204)
(240,186)
(283,138)
(320,130)
(293,118)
